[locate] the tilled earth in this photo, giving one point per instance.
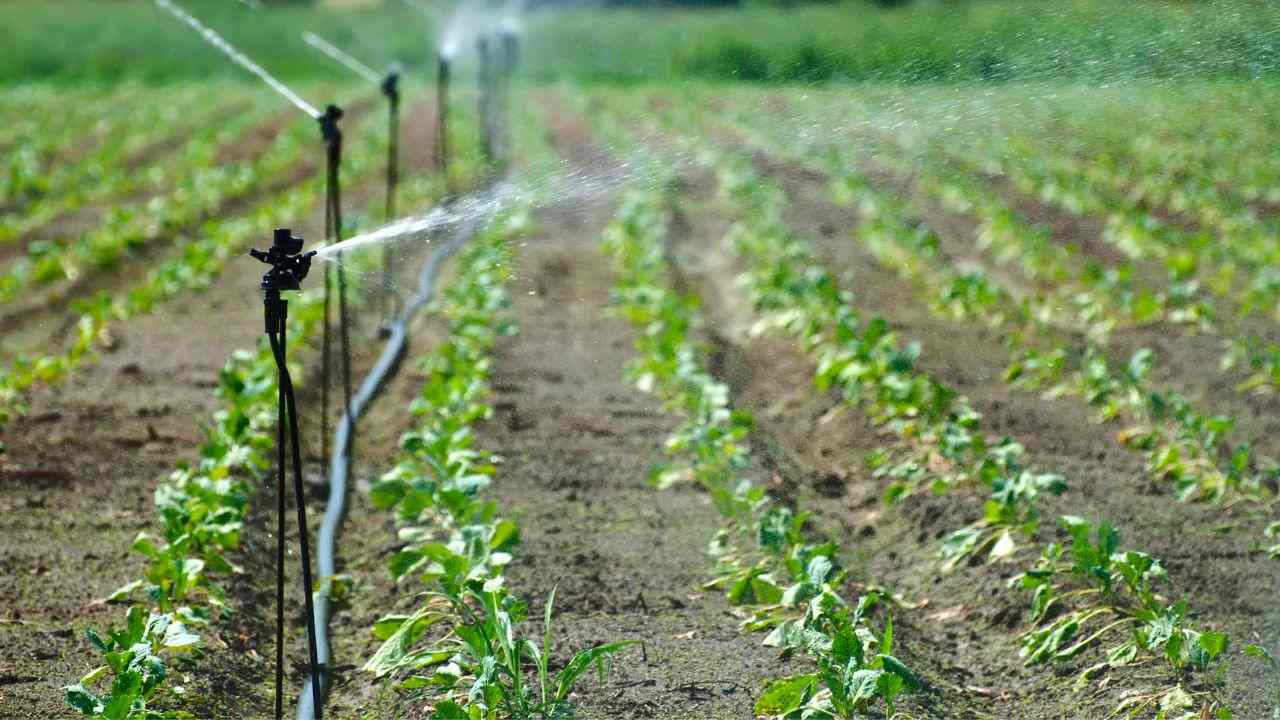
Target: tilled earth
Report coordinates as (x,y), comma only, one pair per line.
(575,442)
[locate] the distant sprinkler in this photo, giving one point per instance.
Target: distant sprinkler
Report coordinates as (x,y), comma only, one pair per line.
(390,86)
(444,63)
(509,37)
(485,79)
(509,47)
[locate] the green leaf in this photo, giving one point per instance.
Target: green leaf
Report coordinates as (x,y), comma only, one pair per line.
(568,677)
(449,710)
(81,699)
(124,591)
(395,651)
(1264,654)
(96,640)
(94,675)
(1213,644)
(505,533)
(387,625)
(404,562)
(386,493)
(124,691)
(864,685)
(784,694)
(895,666)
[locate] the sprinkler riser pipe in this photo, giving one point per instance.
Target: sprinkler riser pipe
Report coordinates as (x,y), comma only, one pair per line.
(444,72)
(288,267)
(485,80)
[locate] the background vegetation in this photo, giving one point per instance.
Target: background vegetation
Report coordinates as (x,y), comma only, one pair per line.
(854,40)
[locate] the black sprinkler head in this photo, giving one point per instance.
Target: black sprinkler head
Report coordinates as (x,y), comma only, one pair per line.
(391,84)
(288,265)
(329,122)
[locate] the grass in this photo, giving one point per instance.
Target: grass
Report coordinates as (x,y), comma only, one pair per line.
(928,40)
(853,40)
(78,41)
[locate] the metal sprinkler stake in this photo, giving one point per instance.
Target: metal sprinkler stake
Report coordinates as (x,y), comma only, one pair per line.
(508,56)
(288,268)
(391,88)
(443,72)
(333,233)
(485,109)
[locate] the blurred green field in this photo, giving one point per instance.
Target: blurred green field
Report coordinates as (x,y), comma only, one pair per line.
(70,41)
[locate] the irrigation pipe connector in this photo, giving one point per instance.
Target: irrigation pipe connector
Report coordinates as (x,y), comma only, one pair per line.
(288,268)
(340,466)
(390,86)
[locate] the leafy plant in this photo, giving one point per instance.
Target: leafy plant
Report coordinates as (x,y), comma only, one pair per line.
(1090,582)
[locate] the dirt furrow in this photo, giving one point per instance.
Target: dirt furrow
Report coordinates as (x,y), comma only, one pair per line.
(969,628)
(577,444)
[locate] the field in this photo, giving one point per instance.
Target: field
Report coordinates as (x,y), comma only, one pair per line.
(944,387)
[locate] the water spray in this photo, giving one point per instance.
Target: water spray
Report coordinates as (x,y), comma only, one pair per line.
(342,58)
(239,58)
(288,268)
(390,86)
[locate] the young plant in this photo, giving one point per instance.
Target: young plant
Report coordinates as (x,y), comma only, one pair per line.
(1089,591)
(856,666)
(133,662)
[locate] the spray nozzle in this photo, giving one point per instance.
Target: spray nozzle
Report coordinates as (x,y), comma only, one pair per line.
(329,123)
(288,265)
(391,83)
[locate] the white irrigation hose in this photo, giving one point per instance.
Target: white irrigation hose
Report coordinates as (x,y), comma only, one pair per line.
(340,465)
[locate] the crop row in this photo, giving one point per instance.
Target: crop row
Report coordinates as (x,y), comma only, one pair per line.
(1054,334)
(1213,253)
(463,645)
(865,361)
(201,511)
(202,508)
(134,166)
(203,188)
(200,260)
(780,578)
(54,125)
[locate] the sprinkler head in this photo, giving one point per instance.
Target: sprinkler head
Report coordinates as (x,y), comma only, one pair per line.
(391,84)
(329,123)
(288,265)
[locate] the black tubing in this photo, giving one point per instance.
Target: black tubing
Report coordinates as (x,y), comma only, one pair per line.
(340,462)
